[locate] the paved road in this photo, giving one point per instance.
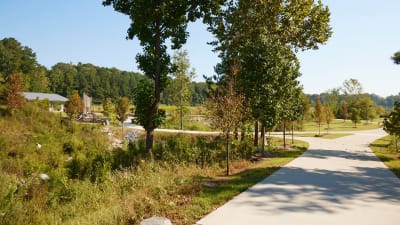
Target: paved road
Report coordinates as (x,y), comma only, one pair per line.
(336,181)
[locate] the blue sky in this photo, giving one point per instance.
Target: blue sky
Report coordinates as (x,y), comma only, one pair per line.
(366,34)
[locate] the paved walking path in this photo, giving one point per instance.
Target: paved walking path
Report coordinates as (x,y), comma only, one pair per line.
(336,181)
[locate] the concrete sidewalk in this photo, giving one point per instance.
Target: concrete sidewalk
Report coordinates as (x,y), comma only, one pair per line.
(336,181)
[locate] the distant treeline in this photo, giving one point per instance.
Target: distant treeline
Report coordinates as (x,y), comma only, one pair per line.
(386,103)
(63,78)
(100,83)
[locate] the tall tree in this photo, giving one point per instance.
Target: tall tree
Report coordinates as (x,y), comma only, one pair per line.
(344,111)
(352,87)
(355,115)
(153,23)
(319,114)
(391,124)
(329,116)
(15,58)
(74,106)
(13,93)
(260,37)
(396,57)
(225,107)
(180,85)
(122,110)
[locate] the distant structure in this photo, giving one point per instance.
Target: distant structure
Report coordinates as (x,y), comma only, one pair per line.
(52,98)
(87,104)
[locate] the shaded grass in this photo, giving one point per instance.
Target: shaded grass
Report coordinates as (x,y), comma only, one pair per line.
(385,150)
(325,136)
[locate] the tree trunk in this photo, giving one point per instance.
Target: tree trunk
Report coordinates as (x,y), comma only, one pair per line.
(292,132)
(396,139)
(157,91)
(319,129)
(242,134)
(149,142)
(181,106)
(256,133)
(227,152)
(284,134)
(263,138)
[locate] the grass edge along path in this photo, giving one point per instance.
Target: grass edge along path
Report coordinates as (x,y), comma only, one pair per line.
(323,135)
(225,188)
(385,150)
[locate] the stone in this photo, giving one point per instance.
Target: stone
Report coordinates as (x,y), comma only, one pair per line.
(156,221)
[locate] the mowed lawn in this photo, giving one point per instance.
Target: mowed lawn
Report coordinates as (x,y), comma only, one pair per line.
(341,125)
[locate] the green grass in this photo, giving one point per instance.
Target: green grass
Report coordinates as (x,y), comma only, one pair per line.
(339,125)
(323,135)
(385,150)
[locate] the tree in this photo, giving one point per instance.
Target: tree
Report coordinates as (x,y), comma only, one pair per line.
(260,38)
(352,87)
(319,114)
(329,116)
(391,124)
(122,110)
(367,108)
(74,107)
(225,111)
(344,111)
(13,93)
(108,107)
(181,83)
(355,115)
(153,23)
(15,58)
(396,57)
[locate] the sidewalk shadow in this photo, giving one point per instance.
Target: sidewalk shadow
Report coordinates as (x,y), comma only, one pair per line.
(293,189)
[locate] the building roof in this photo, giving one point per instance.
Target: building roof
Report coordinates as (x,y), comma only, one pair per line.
(42,96)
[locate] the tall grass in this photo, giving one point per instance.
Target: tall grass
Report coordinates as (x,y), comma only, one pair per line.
(90,183)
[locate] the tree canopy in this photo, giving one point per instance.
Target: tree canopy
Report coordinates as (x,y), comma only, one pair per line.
(396,57)
(154,23)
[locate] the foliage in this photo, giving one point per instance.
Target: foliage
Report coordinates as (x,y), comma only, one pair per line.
(108,107)
(13,93)
(329,116)
(258,39)
(98,82)
(396,57)
(319,114)
(385,149)
(153,23)
(74,106)
(122,109)
(352,87)
(344,111)
(391,123)
(355,116)
(143,98)
(225,112)
(179,92)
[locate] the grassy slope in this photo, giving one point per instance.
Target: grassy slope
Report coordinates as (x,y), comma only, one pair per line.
(385,150)
(124,197)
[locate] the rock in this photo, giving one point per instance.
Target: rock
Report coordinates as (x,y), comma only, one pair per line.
(156,221)
(38,146)
(44,176)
